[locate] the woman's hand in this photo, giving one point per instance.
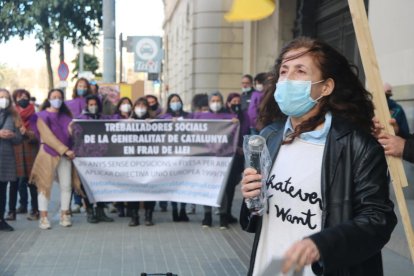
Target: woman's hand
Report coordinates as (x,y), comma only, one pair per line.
(23,130)
(6,134)
(378,128)
(300,254)
(393,145)
(251,183)
(70,128)
(70,155)
(234,120)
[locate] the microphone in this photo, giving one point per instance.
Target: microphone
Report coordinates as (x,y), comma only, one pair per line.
(255,144)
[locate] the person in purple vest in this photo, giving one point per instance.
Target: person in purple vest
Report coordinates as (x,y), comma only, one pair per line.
(76,106)
(93,111)
(80,91)
(123,110)
(255,100)
(141,112)
(233,105)
(175,111)
(51,125)
(217,111)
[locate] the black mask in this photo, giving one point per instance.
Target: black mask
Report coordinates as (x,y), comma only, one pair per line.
(154,107)
(236,108)
(23,103)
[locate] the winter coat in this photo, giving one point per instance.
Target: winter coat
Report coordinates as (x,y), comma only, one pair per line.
(357,214)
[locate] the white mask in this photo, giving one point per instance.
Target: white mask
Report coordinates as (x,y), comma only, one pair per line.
(125,108)
(140,112)
(4,103)
(246,89)
(93,109)
(216,106)
(259,87)
(56,103)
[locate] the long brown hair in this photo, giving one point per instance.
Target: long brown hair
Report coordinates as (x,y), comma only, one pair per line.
(88,88)
(349,99)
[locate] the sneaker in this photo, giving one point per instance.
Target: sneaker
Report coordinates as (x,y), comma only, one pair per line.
(11,215)
(76,209)
(65,221)
(44,223)
(21,210)
(34,215)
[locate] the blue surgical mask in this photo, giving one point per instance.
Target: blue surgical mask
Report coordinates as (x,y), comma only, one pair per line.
(293,97)
(56,103)
(176,106)
(80,92)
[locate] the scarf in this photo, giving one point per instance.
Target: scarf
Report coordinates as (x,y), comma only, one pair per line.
(25,114)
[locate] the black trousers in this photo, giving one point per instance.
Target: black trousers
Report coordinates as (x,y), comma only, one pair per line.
(3,189)
(234,179)
(14,187)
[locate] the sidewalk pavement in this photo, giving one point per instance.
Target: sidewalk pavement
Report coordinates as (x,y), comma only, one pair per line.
(116,249)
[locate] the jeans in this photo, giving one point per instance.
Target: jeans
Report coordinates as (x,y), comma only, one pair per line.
(21,185)
(63,171)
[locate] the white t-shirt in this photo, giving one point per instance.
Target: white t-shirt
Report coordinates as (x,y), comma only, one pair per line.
(294,202)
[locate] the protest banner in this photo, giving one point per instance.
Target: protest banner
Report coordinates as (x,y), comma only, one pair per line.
(155,160)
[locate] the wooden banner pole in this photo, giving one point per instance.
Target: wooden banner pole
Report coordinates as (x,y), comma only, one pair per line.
(375,84)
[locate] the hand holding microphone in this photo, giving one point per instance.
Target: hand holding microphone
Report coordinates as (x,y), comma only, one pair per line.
(251,183)
(252,186)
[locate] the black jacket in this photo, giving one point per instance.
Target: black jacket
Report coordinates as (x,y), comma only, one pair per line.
(357,214)
(408,153)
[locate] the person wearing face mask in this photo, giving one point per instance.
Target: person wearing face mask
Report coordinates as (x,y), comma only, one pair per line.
(255,101)
(52,127)
(76,106)
(247,91)
(93,111)
(80,91)
(10,123)
(154,107)
(217,112)
(25,154)
(233,106)
(123,109)
(175,111)
(328,189)
(141,112)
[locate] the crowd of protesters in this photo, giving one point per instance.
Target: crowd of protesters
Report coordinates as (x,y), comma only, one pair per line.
(36,149)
